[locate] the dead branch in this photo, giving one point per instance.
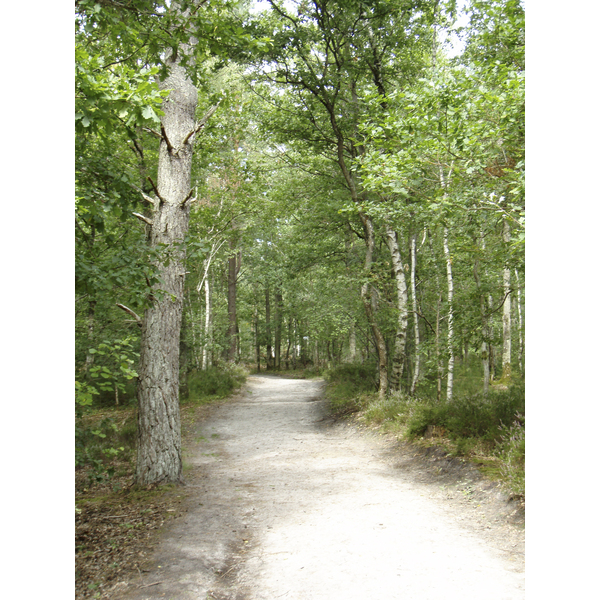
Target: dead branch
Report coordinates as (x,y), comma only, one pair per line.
(129,311)
(143,218)
(156,190)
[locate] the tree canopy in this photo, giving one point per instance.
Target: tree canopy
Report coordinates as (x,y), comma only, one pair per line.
(354,193)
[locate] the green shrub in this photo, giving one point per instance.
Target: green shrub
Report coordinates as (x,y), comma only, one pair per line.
(347,383)
(393,408)
(214,382)
(511,449)
(95,447)
(473,416)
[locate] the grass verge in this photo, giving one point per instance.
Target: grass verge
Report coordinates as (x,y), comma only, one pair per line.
(115,522)
(488,431)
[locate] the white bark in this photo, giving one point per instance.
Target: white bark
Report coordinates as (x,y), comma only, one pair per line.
(450,316)
(399,356)
(506,313)
(206,355)
(352,344)
(520,313)
(413,290)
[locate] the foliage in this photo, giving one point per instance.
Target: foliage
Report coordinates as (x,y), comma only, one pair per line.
(98,443)
(511,450)
(213,382)
(346,383)
(115,365)
(469,416)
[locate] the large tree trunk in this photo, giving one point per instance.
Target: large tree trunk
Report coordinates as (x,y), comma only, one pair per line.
(399,356)
(159,429)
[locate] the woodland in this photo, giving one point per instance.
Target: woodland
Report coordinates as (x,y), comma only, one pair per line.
(313,187)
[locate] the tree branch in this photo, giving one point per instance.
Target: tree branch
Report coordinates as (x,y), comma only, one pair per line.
(152,131)
(164,136)
(200,124)
(130,312)
(143,218)
(156,190)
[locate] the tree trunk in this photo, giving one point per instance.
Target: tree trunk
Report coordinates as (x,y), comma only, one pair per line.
(91,323)
(438,359)
(485,358)
(520,313)
(257,338)
(268,327)
(413,290)
(506,313)
(234,264)
(399,356)
(369,302)
(278,321)
(159,428)
(450,316)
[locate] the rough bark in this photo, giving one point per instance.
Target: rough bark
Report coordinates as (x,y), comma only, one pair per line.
(399,356)
(159,428)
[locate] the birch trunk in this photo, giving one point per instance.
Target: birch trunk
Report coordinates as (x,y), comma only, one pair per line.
(520,313)
(278,321)
(206,356)
(413,291)
(484,353)
(399,356)
(257,338)
(234,264)
(352,344)
(450,317)
(268,327)
(369,303)
(159,427)
(506,314)
(91,323)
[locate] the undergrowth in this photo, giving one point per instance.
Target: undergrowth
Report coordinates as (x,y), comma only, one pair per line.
(487,429)
(213,383)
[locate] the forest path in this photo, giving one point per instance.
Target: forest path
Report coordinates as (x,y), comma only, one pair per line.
(284,503)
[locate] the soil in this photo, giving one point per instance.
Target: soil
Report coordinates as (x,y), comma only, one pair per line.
(283,501)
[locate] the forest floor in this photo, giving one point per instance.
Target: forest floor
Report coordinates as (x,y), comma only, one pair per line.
(283,501)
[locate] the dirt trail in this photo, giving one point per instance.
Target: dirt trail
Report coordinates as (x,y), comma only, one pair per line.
(284,503)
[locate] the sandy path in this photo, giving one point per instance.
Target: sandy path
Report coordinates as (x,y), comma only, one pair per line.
(283,504)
